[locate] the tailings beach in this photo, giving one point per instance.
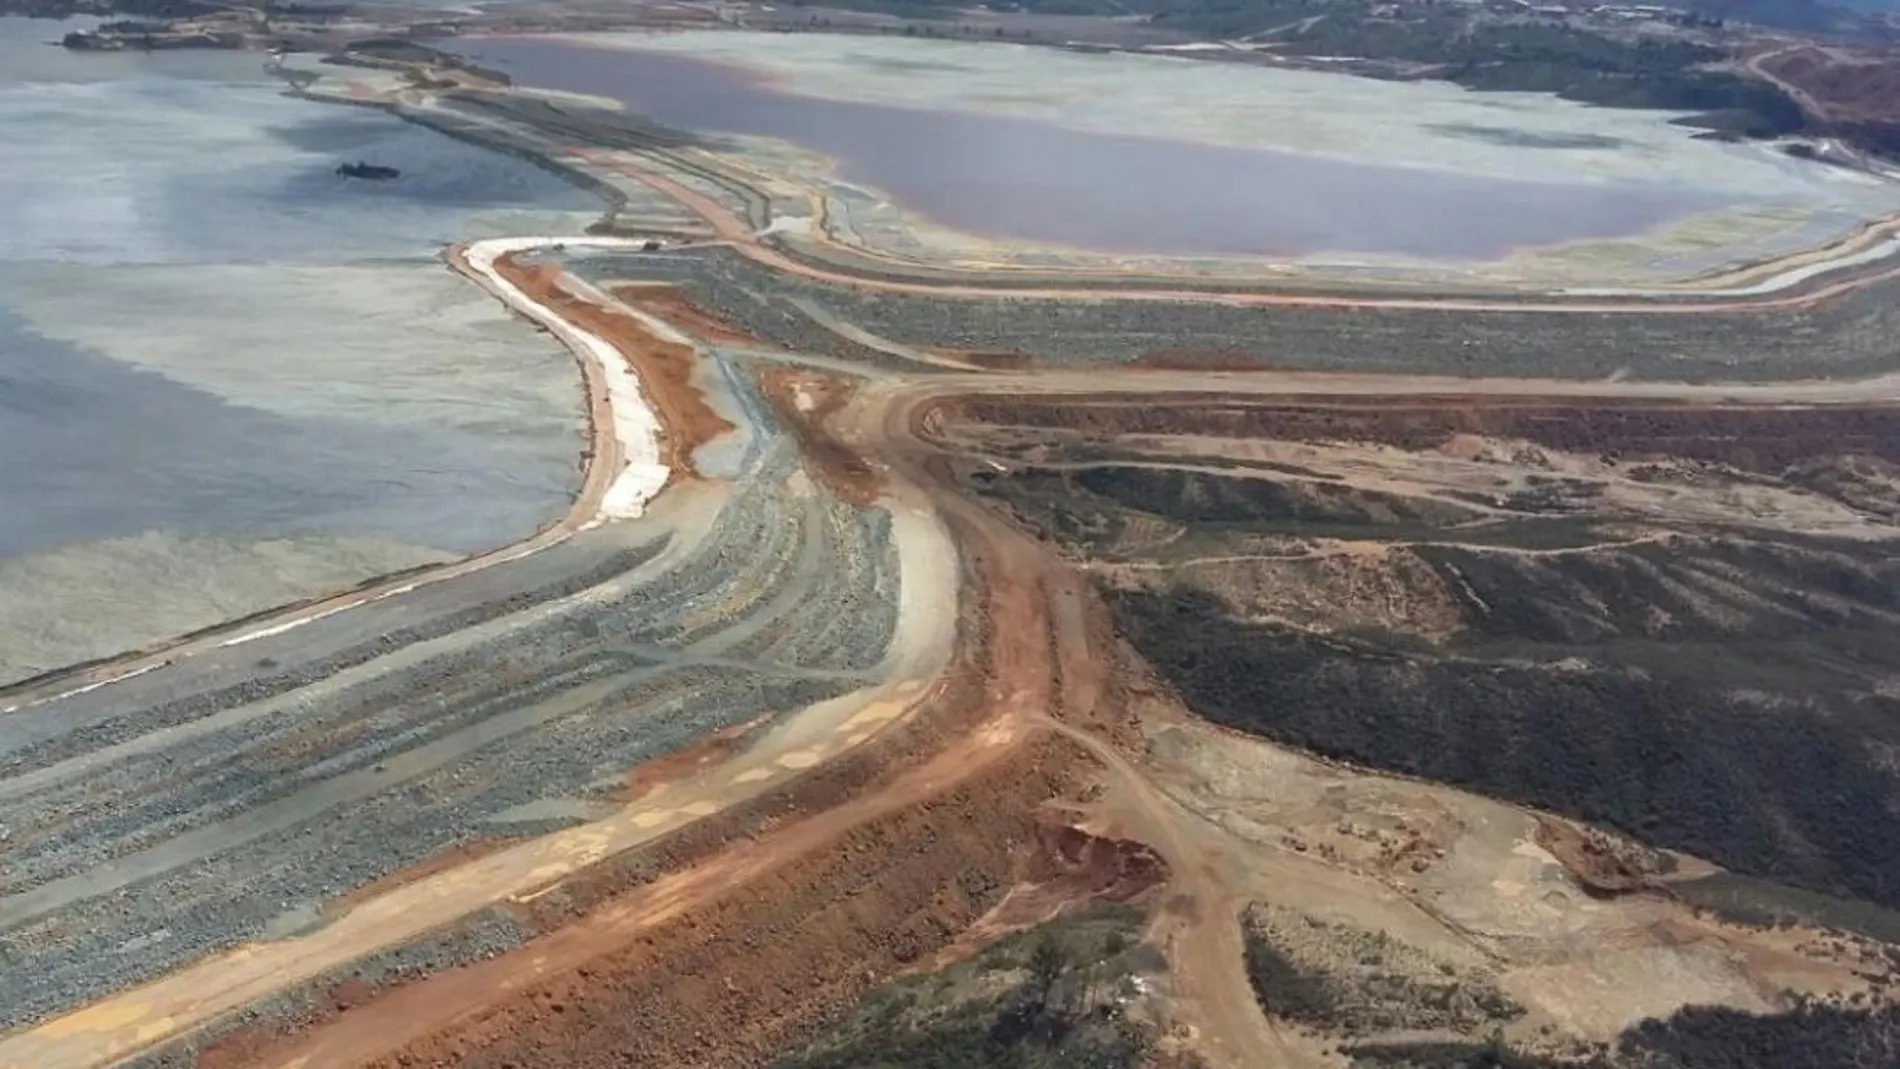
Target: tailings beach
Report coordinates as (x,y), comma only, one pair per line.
(1390,633)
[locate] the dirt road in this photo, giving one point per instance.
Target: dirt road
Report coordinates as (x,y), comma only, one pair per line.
(134,1020)
(1044,670)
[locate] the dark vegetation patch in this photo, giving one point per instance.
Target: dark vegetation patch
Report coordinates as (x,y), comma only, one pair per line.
(1196,497)
(1050,997)
(1341,979)
(1088,509)
(1697,1037)
(1787,783)
(1092,516)
(1489,1053)
(1687,589)
(1761,439)
(1746,900)
(1811,1037)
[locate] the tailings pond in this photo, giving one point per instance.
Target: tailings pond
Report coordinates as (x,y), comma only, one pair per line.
(1052,182)
(230,378)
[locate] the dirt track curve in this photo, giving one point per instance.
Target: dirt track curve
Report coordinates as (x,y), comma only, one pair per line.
(893,651)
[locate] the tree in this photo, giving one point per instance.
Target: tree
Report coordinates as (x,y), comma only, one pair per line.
(1047,962)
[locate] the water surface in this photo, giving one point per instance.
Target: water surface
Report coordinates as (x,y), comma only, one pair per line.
(1021,178)
(230,378)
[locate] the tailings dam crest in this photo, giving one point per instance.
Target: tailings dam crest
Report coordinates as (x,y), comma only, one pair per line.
(1370,664)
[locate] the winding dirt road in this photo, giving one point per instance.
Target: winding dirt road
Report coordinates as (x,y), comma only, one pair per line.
(1045,671)
(935,527)
(134,1021)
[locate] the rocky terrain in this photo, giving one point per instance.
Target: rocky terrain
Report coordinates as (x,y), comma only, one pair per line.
(1033,671)
(1845,337)
(1663,618)
(216,816)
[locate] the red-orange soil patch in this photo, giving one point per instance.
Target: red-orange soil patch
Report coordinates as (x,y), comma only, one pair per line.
(650,777)
(243,1048)
(1602,864)
(1088,868)
(790,931)
(804,400)
(725,961)
(665,368)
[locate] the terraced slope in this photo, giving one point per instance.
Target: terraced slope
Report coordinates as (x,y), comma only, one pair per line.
(920,646)
(143,836)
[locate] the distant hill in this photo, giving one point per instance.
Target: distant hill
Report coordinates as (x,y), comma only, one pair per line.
(1807,16)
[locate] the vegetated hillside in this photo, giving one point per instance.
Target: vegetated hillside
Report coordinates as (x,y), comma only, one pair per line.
(1374,995)
(1469,46)
(1807,16)
(1764,749)
(1389,1005)
(1728,694)
(1697,1037)
(1862,84)
(1813,1037)
(1857,90)
(1353,982)
(1053,997)
(1572,63)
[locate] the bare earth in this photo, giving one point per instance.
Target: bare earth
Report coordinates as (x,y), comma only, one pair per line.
(925,663)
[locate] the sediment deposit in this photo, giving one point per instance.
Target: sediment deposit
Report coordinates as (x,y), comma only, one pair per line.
(892,617)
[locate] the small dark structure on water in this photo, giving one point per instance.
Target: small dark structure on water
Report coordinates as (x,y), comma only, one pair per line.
(372,171)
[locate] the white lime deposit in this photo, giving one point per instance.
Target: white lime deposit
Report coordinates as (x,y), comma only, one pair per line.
(642,473)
